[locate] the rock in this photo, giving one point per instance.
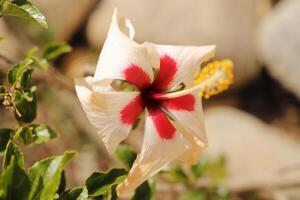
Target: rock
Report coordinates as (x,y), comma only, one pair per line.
(230,24)
(65,17)
(279,44)
(79,63)
(255,151)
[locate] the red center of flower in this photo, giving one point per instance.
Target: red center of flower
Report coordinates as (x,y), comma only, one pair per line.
(138,77)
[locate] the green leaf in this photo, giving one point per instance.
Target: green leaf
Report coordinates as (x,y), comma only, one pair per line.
(62,183)
(12,151)
(100,183)
(45,176)
(2,89)
(23,135)
(175,175)
(42,133)
(217,169)
(26,104)
(16,72)
(2,76)
(199,168)
(76,194)
(145,191)
(26,78)
(112,194)
(5,135)
(39,62)
(126,154)
(25,10)
(2,93)
(34,133)
(14,183)
(54,49)
(194,195)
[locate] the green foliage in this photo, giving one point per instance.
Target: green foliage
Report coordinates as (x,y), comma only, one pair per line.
(46,175)
(14,183)
(208,193)
(16,73)
(54,49)
(126,154)
(100,183)
(76,194)
(34,133)
(175,175)
(145,191)
(5,136)
(216,169)
(23,9)
(2,75)
(26,105)
(194,195)
(2,93)
(12,151)
(38,62)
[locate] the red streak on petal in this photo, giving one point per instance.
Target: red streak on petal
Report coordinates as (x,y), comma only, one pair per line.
(131,111)
(137,76)
(186,102)
(162,124)
(166,73)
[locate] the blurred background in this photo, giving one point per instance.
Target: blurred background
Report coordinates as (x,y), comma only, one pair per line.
(254,126)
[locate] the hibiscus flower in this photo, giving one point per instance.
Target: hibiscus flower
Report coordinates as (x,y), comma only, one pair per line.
(151,82)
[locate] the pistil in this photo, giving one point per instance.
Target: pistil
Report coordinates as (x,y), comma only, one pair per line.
(213,79)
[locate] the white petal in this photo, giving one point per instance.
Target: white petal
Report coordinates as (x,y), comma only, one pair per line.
(120,52)
(155,154)
(187,58)
(191,125)
(102,107)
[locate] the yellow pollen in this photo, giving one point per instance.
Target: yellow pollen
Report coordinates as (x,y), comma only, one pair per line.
(216,77)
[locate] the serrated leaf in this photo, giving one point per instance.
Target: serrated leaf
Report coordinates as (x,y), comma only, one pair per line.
(54,49)
(76,194)
(16,72)
(194,195)
(5,135)
(26,104)
(145,191)
(46,175)
(25,10)
(126,154)
(14,182)
(13,151)
(100,183)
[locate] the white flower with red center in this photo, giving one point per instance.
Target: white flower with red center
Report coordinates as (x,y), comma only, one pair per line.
(159,86)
